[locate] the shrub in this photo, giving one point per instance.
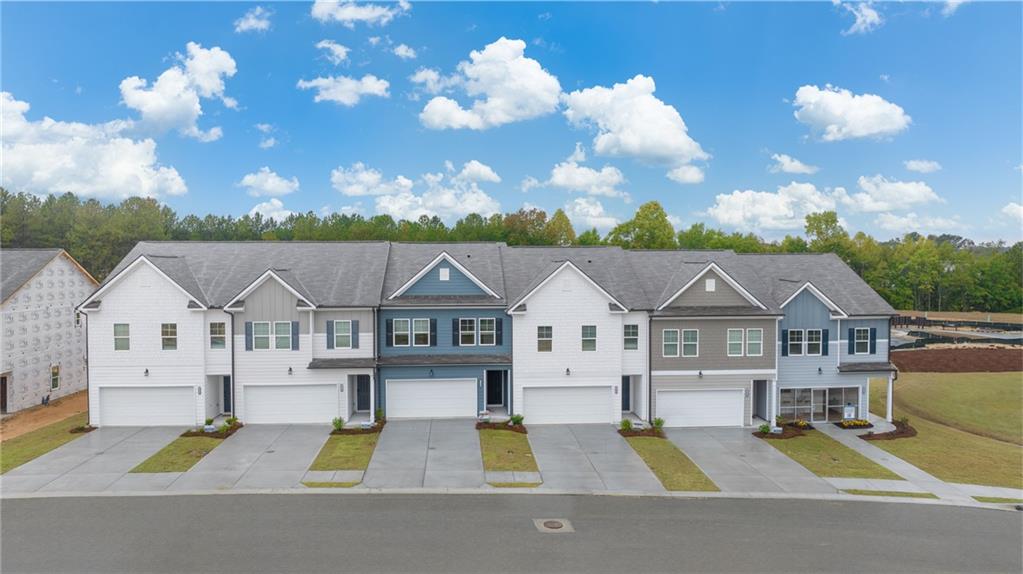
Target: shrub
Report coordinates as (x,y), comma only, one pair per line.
(232,421)
(225,427)
(800,423)
(338,422)
(626,425)
(516,419)
(659,423)
(765,428)
(779,421)
(209,422)
(904,421)
(378,414)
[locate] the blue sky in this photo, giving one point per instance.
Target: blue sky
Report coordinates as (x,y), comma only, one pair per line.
(745,116)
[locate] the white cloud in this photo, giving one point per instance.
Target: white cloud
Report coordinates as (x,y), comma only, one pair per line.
(271,209)
(588,212)
(788,164)
(912,222)
(632,122)
(475,171)
(787,208)
(432,82)
(686,174)
(867,18)
(266,183)
(571,176)
(265,128)
(267,143)
(882,194)
(344,90)
(1014,211)
(529,182)
(951,6)
(838,114)
(404,52)
(89,160)
(173,100)
(507,87)
(255,20)
(448,200)
(333,51)
(922,165)
(360,180)
(351,13)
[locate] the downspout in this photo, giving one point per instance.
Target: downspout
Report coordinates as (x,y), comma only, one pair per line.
(649,368)
(234,406)
(376,371)
(88,384)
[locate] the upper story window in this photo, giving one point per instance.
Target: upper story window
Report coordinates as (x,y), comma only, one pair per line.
(218,335)
(282,334)
(795,342)
(488,332)
(402,336)
(54,377)
(343,334)
(690,343)
(420,332)
(755,342)
(544,339)
(735,342)
(466,332)
(589,337)
(122,340)
(813,342)
(670,340)
(169,336)
(710,285)
(261,335)
(862,342)
(631,337)
(445,274)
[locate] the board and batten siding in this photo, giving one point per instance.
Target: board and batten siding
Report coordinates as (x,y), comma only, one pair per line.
(723,294)
(713,345)
(457,283)
(366,333)
(271,301)
(707,382)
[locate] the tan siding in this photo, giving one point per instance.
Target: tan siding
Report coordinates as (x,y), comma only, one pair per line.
(722,296)
(272,302)
(708,381)
(713,345)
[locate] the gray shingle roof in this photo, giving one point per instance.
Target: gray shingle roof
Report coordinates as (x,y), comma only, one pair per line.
(526,267)
(18,266)
(483,260)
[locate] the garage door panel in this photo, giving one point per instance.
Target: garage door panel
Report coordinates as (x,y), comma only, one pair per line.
(431,398)
(147,406)
(701,408)
(578,405)
(291,404)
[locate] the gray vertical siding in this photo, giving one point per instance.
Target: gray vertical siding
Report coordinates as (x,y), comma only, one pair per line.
(272,302)
(722,296)
(713,344)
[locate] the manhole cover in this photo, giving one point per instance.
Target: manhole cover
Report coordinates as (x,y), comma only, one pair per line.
(553,525)
(269,452)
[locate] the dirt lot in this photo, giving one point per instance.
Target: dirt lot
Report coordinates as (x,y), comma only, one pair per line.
(39,416)
(967,316)
(960,360)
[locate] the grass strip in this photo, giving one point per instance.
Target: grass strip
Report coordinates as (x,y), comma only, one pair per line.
(670,465)
(180,455)
(346,452)
(825,456)
(889,493)
(31,445)
(506,451)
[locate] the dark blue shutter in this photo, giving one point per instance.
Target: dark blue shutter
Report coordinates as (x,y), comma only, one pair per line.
(389,331)
(500,332)
(433,332)
(824,342)
(330,334)
(785,342)
(248,335)
(355,333)
(852,341)
(454,332)
(873,341)
(294,335)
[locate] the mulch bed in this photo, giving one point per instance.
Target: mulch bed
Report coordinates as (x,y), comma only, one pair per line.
(642,432)
(379,426)
(902,430)
(855,427)
(502,426)
(82,429)
(215,434)
(968,360)
(787,431)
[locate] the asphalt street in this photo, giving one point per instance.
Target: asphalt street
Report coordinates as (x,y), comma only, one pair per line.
(474,533)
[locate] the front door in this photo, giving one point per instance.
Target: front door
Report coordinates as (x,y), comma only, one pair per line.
(495,388)
(626,394)
(819,412)
(362,393)
(3,394)
(227,394)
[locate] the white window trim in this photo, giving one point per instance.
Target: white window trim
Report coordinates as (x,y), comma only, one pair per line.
(802,343)
(475,332)
(761,353)
(394,332)
(275,335)
(52,367)
(729,342)
(539,338)
(269,335)
(625,337)
(444,273)
(677,343)
(479,331)
(682,343)
(211,335)
(710,285)
(412,336)
(125,337)
(582,339)
(163,338)
(806,343)
(856,340)
(350,337)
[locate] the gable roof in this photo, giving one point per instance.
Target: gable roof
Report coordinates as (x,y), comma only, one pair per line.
(443,256)
(407,262)
(192,291)
(808,287)
(19,265)
(712,266)
(607,267)
(284,277)
(548,274)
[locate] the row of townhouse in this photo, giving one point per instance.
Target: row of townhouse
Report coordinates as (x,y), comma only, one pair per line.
(298,332)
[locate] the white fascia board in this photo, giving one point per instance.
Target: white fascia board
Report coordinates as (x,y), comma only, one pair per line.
(138,261)
(443,257)
(728,279)
(269,273)
(610,298)
(837,312)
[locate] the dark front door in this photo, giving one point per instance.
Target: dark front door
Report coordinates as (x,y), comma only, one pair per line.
(227,394)
(495,388)
(3,394)
(626,394)
(362,393)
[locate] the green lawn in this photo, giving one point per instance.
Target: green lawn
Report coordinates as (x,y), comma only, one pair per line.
(506,451)
(346,452)
(890,493)
(670,465)
(824,456)
(19,450)
(180,455)
(948,453)
(997,500)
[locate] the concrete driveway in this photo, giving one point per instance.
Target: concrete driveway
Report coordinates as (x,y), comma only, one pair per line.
(427,453)
(588,457)
(737,461)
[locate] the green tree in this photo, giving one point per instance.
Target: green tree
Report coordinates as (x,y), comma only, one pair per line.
(558,230)
(648,229)
(591,237)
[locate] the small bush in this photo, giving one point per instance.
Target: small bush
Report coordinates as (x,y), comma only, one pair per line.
(800,423)
(378,415)
(338,422)
(659,423)
(779,421)
(209,422)
(225,427)
(904,421)
(626,425)
(232,421)
(516,419)
(764,428)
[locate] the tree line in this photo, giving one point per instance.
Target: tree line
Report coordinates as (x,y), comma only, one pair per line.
(942,273)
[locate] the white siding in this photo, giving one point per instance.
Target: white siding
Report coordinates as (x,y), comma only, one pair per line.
(218,361)
(636,362)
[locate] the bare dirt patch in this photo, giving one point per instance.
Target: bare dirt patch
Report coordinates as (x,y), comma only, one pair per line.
(960,360)
(39,416)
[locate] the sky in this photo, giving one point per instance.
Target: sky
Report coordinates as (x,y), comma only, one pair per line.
(744,116)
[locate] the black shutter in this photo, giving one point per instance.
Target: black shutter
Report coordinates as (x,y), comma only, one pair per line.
(355,333)
(873,341)
(499,337)
(248,335)
(433,332)
(852,341)
(785,342)
(454,332)
(389,330)
(294,335)
(824,342)
(330,334)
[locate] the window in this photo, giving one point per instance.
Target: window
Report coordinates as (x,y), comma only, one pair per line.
(862,342)
(735,342)
(670,337)
(401,333)
(54,377)
(218,335)
(755,342)
(813,341)
(795,342)
(690,343)
(122,342)
(589,337)
(710,285)
(420,332)
(343,334)
(445,274)
(466,332)
(282,334)
(169,336)
(631,337)
(544,339)
(261,335)
(488,332)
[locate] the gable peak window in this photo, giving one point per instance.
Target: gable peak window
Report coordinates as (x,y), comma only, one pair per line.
(402,332)
(445,274)
(544,338)
(169,336)
(710,284)
(631,333)
(122,339)
(218,335)
(589,333)
(467,332)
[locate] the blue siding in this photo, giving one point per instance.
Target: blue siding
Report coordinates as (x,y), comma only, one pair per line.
(477,372)
(457,283)
(444,331)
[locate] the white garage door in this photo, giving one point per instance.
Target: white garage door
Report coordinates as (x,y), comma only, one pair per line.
(147,406)
(701,408)
(290,403)
(545,405)
(430,398)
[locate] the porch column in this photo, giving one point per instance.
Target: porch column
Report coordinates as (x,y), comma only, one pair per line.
(372,399)
(772,403)
(888,397)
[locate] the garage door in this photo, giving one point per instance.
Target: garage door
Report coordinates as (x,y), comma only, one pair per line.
(701,408)
(545,405)
(290,403)
(147,406)
(430,398)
